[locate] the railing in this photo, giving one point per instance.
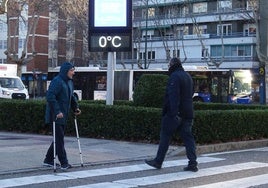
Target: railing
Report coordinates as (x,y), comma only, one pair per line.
(191,37)
(196,14)
(188,60)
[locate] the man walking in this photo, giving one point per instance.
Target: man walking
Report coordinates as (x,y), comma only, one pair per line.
(177,114)
(60,99)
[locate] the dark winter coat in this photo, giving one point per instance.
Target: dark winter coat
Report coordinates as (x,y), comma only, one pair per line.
(60,96)
(178,97)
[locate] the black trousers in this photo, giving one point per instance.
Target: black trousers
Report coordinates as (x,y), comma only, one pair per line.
(168,128)
(60,149)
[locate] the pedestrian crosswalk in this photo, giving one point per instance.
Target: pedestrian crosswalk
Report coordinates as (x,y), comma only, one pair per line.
(239,183)
(164,178)
(149,180)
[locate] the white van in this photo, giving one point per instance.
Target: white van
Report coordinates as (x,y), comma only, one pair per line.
(11,86)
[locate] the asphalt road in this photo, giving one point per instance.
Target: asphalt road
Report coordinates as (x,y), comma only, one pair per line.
(238,168)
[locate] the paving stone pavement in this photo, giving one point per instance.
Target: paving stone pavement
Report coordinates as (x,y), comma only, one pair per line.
(26,152)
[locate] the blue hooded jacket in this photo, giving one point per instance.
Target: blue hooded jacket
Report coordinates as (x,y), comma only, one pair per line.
(60,97)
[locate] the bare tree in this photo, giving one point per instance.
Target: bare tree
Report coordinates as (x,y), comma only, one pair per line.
(137,39)
(170,36)
(211,61)
(19,10)
(255,6)
(159,22)
(77,17)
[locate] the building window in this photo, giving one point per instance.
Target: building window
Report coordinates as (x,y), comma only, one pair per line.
(176,53)
(200,29)
(204,53)
(224,29)
(224,5)
(182,31)
(249,29)
(172,12)
(216,51)
(200,7)
(150,11)
(232,51)
(150,34)
(5,44)
(151,55)
(244,50)
(141,55)
(184,11)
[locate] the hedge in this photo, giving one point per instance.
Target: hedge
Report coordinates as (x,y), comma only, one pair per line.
(131,123)
(150,90)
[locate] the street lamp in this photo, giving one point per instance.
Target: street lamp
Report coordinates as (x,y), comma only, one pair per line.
(3,6)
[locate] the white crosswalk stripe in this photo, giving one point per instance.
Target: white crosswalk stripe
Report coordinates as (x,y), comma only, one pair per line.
(92,173)
(151,179)
(164,178)
(239,183)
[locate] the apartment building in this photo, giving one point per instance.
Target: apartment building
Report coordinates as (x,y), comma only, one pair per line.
(217,34)
(214,33)
(54,40)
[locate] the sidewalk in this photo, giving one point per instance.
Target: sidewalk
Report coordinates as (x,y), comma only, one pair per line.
(26,152)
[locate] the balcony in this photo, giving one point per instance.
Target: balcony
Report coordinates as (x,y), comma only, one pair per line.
(195,37)
(209,16)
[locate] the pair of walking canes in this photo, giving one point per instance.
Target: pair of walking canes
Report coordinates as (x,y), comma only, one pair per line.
(54,143)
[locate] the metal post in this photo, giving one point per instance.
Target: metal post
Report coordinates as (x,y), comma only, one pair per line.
(110,78)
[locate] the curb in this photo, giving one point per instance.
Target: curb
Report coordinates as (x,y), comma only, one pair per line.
(222,147)
(231,146)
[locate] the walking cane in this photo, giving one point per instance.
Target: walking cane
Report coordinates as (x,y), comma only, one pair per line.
(77,136)
(54,145)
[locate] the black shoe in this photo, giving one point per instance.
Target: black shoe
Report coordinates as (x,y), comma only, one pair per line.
(65,166)
(191,168)
(153,163)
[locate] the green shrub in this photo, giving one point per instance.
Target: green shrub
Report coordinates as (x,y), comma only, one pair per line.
(132,123)
(149,91)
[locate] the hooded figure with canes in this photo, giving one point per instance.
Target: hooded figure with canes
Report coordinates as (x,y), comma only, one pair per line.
(60,100)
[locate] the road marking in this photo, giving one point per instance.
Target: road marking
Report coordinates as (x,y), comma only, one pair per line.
(165,178)
(92,173)
(239,183)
